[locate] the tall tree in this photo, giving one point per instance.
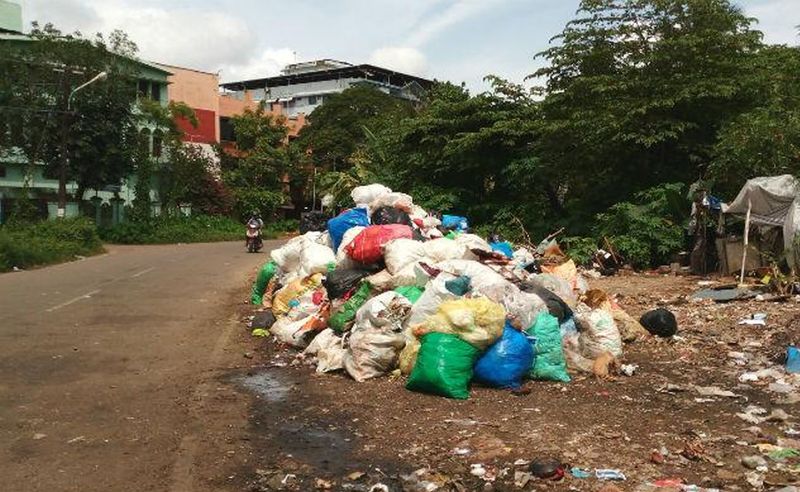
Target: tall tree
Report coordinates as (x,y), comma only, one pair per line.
(87,136)
(636,91)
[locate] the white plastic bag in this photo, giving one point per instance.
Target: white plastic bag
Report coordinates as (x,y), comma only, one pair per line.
(400,253)
(435,293)
(438,250)
(343,261)
(329,349)
(377,339)
(291,332)
(372,352)
(598,332)
(393,199)
(364,195)
(471,241)
(315,258)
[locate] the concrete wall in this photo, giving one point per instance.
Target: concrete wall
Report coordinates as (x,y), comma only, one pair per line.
(200,91)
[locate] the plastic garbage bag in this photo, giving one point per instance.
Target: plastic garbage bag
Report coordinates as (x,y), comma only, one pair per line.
(660,322)
(372,352)
(792,360)
(315,258)
(472,241)
(367,246)
(293,290)
(265,274)
(550,363)
(568,271)
(388,310)
(338,225)
(556,285)
(459,285)
(329,349)
(455,222)
(478,321)
(313,221)
(341,320)
(555,305)
(400,253)
(342,260)
(437,250)
(389,215)
(504,248)
(381,281)
(598,332)
(300,327)
(376,338)
(364,195)
(395,200)
(341,281)
(410,292)
(505,363)
(428,303)
(443,366)
(408,356)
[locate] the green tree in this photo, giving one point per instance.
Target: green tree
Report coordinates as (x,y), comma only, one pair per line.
(256,170)
(765,140)
(87,138)
(336,128)
(636,92)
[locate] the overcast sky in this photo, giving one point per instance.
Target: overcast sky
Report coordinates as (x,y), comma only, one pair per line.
(456,40)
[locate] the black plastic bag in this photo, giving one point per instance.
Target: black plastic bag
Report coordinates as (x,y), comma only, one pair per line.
(389,215)
(263,320)
(660,322)
(313,221)
(339,282)
(555,304)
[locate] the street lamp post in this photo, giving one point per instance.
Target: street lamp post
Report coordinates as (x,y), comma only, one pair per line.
(62,171)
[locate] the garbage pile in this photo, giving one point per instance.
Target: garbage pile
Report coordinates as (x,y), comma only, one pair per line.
(387,287)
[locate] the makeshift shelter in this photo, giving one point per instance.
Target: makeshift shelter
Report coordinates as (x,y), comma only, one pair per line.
(772,201)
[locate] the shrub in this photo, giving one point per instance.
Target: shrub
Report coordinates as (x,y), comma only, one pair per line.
(43,243)
(580,249)
(163,230)
(648,232)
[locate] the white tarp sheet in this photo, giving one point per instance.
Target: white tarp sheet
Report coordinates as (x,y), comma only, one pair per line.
(775,201)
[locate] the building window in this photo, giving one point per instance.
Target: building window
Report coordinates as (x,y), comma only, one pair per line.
(226,132)
(158,137)
(142,88)
(312,100)
(2,171)
(155,92)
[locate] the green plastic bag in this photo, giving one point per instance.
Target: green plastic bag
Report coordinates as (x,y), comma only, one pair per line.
(347,313)
(410,292)
(444,366)
(549,364)
(264,276)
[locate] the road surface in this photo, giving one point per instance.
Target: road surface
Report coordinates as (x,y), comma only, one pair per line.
(111,370)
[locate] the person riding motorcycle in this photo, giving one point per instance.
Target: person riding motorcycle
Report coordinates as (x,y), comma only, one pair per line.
(255,224)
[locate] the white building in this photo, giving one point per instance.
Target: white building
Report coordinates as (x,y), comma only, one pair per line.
(302,87)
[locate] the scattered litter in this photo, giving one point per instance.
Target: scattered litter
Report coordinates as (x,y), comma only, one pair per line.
(715,391)
(609,474)
(580,472)
(547,468)
(628,369)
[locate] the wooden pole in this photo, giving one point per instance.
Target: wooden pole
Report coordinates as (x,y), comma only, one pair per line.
(746,240)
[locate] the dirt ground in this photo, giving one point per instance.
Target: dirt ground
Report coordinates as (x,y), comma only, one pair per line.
(327,432)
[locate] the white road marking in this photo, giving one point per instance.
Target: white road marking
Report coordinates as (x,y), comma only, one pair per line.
(72,301)
(136,275)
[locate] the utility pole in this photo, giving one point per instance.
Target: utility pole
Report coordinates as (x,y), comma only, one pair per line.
(65,127)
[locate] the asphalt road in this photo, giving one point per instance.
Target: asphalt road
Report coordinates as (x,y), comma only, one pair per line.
(107,364)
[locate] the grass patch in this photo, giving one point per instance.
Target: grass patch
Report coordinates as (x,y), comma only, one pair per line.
(45,243)
(166,230)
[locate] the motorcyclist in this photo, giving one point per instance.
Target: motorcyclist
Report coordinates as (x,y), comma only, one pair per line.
(255,222)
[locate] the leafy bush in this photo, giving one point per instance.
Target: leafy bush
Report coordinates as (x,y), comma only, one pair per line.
(163,230)
(276,229)
(580,249)
(648,232)
(43,243)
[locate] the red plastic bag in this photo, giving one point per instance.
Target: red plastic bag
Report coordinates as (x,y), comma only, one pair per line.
(366,247)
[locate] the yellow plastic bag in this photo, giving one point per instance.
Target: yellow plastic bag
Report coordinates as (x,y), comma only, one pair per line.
(478,321)
(296,288)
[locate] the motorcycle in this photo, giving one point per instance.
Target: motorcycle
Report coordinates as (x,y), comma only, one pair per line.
(253,241)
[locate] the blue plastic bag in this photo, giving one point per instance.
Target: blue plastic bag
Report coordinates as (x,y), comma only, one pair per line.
(338,225)
(455,222)
(504,247)
(793,360)
(505,363)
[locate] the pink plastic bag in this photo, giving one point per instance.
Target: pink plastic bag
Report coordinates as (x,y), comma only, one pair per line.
(366,247)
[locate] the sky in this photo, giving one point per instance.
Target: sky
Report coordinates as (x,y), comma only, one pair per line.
(455,40)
